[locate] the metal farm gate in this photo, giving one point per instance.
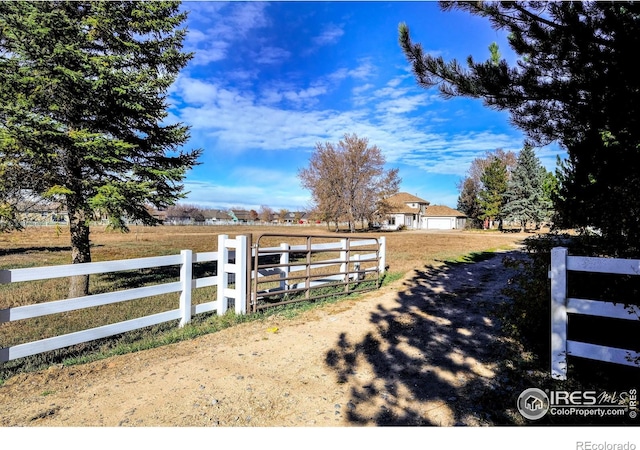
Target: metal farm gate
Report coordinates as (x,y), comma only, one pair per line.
(314,267)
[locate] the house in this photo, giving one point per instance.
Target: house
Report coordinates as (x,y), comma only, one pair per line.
(295,217)
(440,217)
(216,216)
(240,216)
(405,210)
(413,212)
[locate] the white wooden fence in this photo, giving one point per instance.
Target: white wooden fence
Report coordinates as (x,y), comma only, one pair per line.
(232,279)
(561,306)
(228,249)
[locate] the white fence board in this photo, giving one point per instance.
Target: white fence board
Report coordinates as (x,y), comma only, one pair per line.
(604,265)
(205,307)
(69,270)
(602,309)
(66,340)
(205,257)
(204,282)
(59,306)
(603,353)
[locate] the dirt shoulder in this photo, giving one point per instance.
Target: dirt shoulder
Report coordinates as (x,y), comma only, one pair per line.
(421,351)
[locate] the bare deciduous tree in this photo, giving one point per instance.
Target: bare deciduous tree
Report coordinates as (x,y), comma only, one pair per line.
(348,181)
(265,213)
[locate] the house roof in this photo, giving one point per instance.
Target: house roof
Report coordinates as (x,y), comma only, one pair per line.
(404,197)
(399,203)
(442,211)
(241,214)
(218,215)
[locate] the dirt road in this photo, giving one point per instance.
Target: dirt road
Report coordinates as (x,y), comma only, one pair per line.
(419,352)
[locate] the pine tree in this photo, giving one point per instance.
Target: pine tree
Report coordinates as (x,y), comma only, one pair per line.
(494,185)
(525,197)
(575,83)
(83,99)
(470,186)
(468,201)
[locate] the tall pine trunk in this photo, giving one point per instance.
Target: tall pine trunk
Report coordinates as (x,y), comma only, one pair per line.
(80,248)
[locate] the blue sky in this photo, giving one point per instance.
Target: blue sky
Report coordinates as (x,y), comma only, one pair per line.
(270,80)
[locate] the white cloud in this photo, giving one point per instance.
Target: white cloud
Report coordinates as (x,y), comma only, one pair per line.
(360,89)
(271,55)
(277,92)
(364,70)
(330,35)
(250,196)
(220,25)
(239,121)
(403,105)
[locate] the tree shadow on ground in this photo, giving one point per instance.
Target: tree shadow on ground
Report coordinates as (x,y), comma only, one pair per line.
(432,358)
(131,279)
(30,250)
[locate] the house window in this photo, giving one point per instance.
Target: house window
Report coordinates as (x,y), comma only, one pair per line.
(392,220)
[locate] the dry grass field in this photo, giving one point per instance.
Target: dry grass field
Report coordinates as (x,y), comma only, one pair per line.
(47,246)
(406,250)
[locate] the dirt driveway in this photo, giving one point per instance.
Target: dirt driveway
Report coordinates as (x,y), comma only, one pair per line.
(419,352)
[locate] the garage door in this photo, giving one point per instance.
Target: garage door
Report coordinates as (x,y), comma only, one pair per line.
(434,223)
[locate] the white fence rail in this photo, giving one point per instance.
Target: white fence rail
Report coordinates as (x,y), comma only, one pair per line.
(232,280)
(561,306)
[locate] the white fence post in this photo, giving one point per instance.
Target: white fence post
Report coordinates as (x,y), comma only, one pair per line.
(238,269)
(382,255)
(284,271)
(358,275)
(186,275)
(223,277)
(344,256)
(559,313)
(240,299)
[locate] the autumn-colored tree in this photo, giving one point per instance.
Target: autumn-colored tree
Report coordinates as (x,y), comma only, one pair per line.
(282,215)
(265,213)
(348,179)
(479,165)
